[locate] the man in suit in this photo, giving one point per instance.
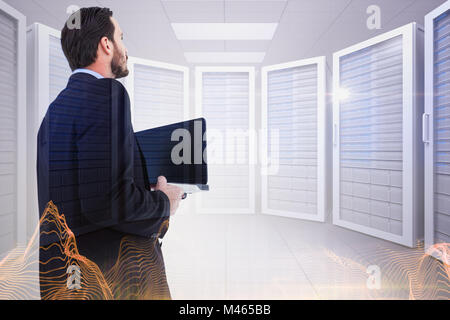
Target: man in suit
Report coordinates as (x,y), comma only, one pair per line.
(90,166)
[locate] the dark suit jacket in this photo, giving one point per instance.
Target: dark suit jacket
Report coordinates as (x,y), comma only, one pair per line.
(90,166)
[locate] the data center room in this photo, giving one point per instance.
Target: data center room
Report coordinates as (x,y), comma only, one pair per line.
(317,163)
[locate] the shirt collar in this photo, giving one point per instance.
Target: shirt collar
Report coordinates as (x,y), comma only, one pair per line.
(93,73)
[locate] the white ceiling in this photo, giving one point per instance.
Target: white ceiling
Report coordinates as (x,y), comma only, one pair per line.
(306,28)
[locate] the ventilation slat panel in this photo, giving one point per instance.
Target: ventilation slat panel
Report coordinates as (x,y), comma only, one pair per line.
(371,137)
(293,111)
(59,70)
(159,96)
(226,107)
(8,131)
(442,128)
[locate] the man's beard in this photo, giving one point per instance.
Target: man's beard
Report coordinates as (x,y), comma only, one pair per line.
(117,69)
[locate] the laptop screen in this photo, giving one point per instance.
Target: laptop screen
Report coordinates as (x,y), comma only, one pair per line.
(176,151)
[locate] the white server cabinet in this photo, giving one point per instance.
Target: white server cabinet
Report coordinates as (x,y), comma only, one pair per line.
(378,152)
(294,107)
(13,194)
(48,73)
(225,96)
(159,93)
(436,126)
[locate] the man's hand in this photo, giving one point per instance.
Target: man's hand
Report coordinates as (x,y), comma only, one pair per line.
(173,193)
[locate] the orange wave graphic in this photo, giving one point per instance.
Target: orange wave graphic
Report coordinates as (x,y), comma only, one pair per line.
(421,276)
(65,253)
(135,275)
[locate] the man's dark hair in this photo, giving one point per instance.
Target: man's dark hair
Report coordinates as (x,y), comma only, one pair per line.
(80,43)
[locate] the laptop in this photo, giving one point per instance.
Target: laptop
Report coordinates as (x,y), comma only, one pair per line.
(178,152)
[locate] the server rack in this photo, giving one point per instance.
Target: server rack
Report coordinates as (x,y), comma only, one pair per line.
(378,153)
(13,194)
(436,128)
(225,96)
(48,73)
(294,110)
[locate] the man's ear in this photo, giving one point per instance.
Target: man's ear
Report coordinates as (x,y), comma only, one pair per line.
(106,46)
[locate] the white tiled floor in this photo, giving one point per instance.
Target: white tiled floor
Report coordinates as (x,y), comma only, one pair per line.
(269,257)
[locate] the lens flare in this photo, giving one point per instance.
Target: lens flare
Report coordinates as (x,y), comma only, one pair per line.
(342,94)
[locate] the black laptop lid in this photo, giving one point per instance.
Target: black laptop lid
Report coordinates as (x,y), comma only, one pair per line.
(176,151)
